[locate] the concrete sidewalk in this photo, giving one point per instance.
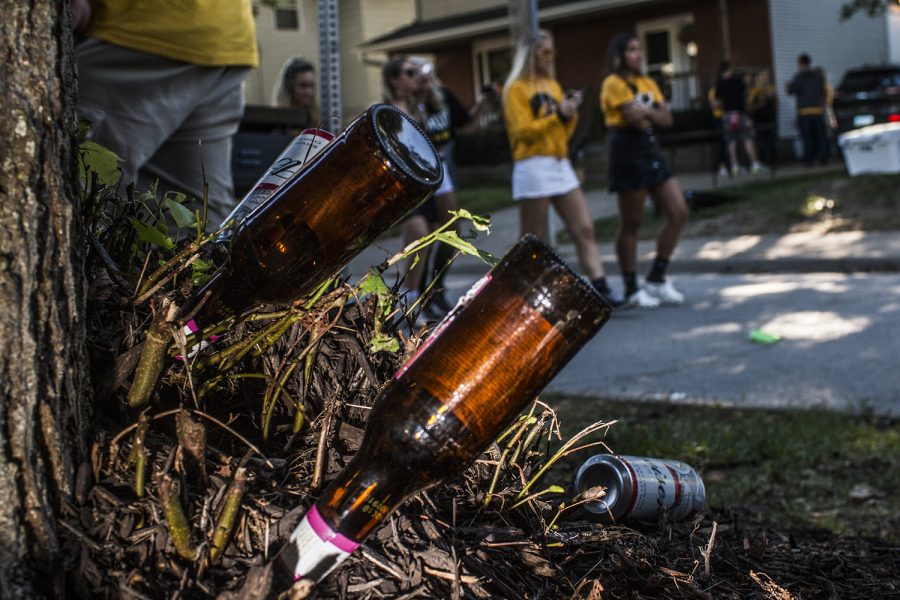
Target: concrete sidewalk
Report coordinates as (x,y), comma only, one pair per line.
(804,252)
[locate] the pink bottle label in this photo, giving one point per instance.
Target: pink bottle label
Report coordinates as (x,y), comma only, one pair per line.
(314,548)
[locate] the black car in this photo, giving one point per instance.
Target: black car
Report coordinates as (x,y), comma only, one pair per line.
(866,96)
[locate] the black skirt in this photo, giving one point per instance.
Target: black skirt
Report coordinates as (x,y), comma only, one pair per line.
(635,159)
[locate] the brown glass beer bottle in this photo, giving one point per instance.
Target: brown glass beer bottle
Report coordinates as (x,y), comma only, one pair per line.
(362,182)
(505,340)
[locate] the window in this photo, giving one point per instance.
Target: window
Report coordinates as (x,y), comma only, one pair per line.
(287,16)
(667,60)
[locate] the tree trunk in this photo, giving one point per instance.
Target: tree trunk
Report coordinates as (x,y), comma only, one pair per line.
(43,399)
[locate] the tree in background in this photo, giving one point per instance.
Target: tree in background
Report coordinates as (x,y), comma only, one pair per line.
(873,8)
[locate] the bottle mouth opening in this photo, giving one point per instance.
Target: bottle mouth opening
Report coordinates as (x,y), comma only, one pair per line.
(407,146)
(581,285)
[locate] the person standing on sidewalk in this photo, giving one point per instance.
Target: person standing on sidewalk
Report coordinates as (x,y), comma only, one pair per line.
(539,121)
(632,106)
(808,86)
(156,83)
(731,96)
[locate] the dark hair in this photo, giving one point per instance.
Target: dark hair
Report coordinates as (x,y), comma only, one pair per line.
(804,59)
(294,68)
(725,65)
(389,72)
(615,53)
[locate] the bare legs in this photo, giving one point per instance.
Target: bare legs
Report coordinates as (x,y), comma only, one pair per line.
(670,199)
(573,210)
(414,228)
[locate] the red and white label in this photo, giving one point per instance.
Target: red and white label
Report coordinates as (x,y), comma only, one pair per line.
(314,548)
(290,162)
(662,485)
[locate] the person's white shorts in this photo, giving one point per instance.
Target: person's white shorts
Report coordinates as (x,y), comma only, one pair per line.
(447,183)
(542,177)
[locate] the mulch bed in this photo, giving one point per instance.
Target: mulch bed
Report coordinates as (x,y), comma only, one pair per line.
(199,450)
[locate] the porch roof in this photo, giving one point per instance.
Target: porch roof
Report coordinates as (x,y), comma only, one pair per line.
(419,34)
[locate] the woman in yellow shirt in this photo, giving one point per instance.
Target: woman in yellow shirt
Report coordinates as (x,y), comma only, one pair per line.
(633,105)
(539,122)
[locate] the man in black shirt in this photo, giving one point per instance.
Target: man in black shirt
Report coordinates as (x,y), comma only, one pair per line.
(731,96)
(808,86)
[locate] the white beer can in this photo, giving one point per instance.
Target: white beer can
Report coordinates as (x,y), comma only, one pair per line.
(639,487)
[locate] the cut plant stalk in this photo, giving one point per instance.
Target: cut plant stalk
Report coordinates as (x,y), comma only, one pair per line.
(176,521)
(153,356)
(228,516)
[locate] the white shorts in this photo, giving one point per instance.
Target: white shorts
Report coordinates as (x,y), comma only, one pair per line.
(447,183)
(542,177)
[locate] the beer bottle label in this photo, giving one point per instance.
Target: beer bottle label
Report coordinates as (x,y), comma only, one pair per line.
(190,328)
(300,151)
(314,549)
(662,485)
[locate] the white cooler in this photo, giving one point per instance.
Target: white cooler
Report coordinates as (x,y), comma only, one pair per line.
(872,149)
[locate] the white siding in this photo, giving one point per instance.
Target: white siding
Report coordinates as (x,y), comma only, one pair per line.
(360,20)
(814,27)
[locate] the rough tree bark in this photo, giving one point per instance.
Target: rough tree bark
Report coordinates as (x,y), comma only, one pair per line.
(42,354)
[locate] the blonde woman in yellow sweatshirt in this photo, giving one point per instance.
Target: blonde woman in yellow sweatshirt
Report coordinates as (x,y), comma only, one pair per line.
(539,121)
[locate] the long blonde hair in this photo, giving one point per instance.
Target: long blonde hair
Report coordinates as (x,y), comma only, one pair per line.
(523,62)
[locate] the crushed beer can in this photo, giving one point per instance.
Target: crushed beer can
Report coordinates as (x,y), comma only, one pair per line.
(641,488)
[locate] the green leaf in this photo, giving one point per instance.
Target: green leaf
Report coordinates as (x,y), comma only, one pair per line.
(555,489)
(382,342)
(182,215)
(451,238)
(101,160)
(152,235)
(200,270)
(479,222)
(373,283)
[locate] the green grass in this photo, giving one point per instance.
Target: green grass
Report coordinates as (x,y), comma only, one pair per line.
(796,467)
(772,206)
(485,199)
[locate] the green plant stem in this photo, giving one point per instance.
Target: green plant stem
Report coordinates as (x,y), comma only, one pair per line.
(175,519)
(228,517)
(152,357)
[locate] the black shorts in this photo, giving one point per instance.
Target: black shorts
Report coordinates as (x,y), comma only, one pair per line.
(635,159)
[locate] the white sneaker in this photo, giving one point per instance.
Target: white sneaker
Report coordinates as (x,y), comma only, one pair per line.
(664,292)
(723,172)
(641,299)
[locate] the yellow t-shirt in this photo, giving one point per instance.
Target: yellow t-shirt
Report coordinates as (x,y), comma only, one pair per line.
(533,126)
(202,32)
(615,92)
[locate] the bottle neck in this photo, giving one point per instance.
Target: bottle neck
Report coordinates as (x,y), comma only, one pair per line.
(219,298)
(361,496)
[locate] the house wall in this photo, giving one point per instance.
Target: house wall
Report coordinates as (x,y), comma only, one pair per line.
(454,68)
(814,26)
(360,20)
